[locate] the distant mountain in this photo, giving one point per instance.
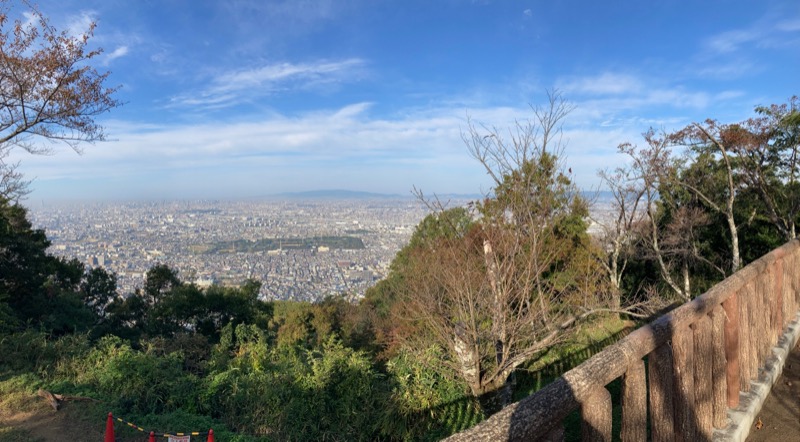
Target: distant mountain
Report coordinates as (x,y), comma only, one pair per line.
(352,194)
(598,197)
(336,194)
(459,196)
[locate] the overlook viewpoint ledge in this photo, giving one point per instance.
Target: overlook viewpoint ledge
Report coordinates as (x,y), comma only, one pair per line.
(699,370)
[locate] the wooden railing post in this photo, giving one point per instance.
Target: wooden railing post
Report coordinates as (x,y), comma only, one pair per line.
(596,417)
(662,415)
(634,404)
(703,361)
(763,287)
(794,277)
(720,368)
(732,373)
(683,389)
(745,353)
(789,307)
(780,304)
(790,273)
(762,328)
(793,274)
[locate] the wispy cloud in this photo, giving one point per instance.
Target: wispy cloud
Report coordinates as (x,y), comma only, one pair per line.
(767,32)
(271,75)
(741,52)
(279,22)
(788,25)
(614,98)
(608,83)
(420,148)
(726,70)
(731,41)
(121,51)
(286,12)
(78,25)
(231,87)
(350,146)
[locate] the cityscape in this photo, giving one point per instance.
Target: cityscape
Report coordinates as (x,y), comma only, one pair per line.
(298,249)
(192,237)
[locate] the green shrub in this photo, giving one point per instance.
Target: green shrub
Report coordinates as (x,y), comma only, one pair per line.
(23,351)
(138,381)
(288,393)
(426,402)
(34,351)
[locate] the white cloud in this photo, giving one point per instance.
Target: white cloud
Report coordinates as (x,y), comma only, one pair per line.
(78,25)
(608,83)
(282,72)
(286,12)
(611,98)
(766,32)
(421,148)
(350,146)
(121,51)
(231,87)
(788,25)
(726,70)
(29,19)
(337,134)
(731,41)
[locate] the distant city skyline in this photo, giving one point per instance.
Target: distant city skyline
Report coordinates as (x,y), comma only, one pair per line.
(325,246)
(250,98)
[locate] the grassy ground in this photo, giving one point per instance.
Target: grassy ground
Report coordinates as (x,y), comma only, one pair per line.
(24,416)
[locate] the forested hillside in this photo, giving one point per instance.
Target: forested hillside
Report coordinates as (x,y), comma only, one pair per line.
(476,304)
(483,305)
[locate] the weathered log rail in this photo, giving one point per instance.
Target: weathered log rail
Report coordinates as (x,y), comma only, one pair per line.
(698,358)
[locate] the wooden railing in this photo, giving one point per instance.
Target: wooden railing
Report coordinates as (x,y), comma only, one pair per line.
(698,358)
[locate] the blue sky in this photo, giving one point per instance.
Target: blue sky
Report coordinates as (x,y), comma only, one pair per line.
(229,99)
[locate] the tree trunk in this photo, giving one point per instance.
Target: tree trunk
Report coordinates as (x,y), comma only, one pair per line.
(735,259)
(469,365)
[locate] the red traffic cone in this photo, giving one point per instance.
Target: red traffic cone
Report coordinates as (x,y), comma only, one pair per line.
(211,435)
(109,429)
(152,437)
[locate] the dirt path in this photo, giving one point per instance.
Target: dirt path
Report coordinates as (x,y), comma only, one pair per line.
(42,424)
(780,415)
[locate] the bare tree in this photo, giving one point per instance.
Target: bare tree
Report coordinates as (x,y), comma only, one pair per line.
(709,138)
(13,186)
(49,92)
(621,226)
(528,140)
(524,274)
(651,166)
(678,200)
(768,147)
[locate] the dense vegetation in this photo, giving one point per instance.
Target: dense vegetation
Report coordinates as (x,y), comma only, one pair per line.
(273,371)
(476,304)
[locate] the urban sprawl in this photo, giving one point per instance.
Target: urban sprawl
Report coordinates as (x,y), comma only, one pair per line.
(301,250)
